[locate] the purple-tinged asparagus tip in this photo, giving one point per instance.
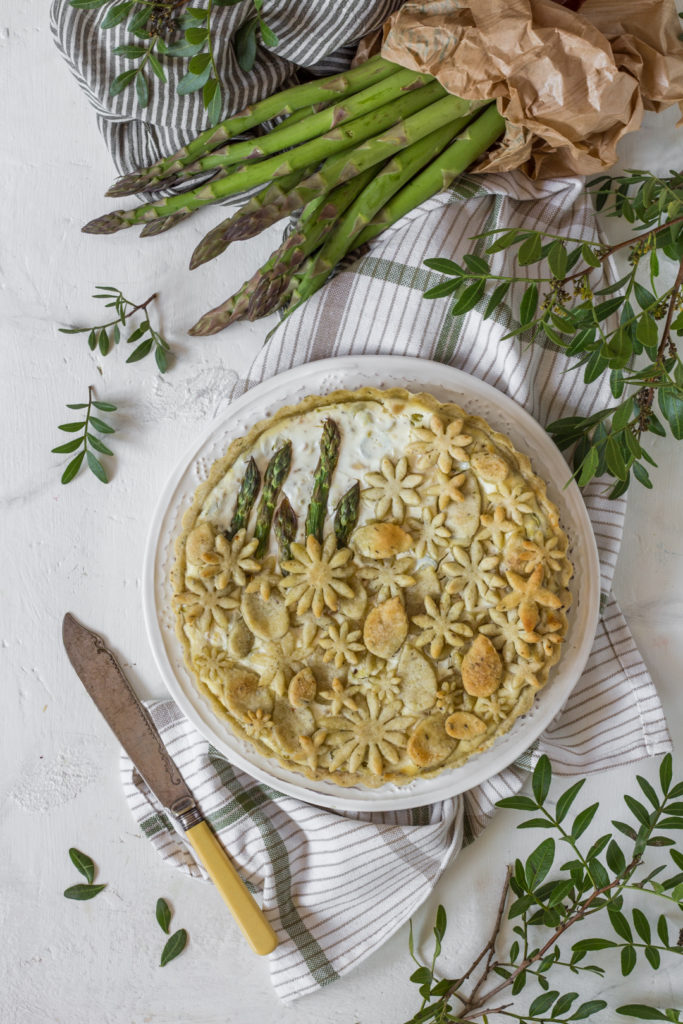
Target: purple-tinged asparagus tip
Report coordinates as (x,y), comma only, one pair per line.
(107,224)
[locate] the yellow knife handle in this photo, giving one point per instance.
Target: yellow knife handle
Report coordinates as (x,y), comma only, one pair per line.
(242,904)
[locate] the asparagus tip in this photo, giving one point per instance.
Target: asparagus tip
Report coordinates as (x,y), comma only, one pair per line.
(128,185)
(107,224)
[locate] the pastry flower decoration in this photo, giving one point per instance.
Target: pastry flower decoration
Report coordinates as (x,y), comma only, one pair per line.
(340,696)
(473,575)
(230,560)
(266,579)
(202,605)
(274,663)
(526,555)
(317,575)
(211,664)
(447,489)
(497,527)
(429,533)
(441,626)
(393,488)
(509,634)
(515,499)
(373,733)
(440,444)
(386,578)
(341,644)
(529,595)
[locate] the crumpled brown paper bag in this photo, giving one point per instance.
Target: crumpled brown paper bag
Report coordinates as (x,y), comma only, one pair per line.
(569,84)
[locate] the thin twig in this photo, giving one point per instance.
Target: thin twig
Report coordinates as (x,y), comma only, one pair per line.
(489,949)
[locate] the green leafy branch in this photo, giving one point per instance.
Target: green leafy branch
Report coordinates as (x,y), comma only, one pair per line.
(87,439)
(565,308)
(540,911)
(156,24)
(105,336)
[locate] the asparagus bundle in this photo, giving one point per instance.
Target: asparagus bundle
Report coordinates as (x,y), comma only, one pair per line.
(354,153)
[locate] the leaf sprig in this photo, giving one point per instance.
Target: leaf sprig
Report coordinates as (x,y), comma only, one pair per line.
(568,306)
(105,336)
(87,440)
(155,23)
(539,911)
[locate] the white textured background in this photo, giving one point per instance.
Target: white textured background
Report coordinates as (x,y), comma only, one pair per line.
(80,548)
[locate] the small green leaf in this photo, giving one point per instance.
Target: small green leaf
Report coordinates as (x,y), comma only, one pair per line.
(442,265)
(620,924)
(476,264)
(589,467)
(103,342)
(96,467)
(116,14)
(529,304)
(175,945)
(468,298)
(163,914)
(83,863)
(616,861)
(628,960)
(442,289)
(666,773)
(122,81)
(245,44)
(71,428)
(70,446)
(72,469)
(129,52)
(192,83)
(539,863)
(566,800)
(83,892)
(591,945)
(671,405)
(99,445)
(156,67)
(589,256)
(161,359)
(530,250)
(583,820)
(141,351)
(142,88)
(497,296)
(587,1009)
(100,425)
(637,810)
(542,778)
(268,37)
(542,1003)
(104,406)
(642,1012)
(557,259)
(77,405)
(199,63)
(518,803)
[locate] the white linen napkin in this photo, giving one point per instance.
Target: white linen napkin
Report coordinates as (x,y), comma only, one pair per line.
(336,886)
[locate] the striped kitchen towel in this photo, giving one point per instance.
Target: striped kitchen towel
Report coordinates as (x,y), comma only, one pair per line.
(336,886)
(319,38)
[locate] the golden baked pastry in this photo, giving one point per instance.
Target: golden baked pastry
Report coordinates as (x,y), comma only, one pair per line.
(371,586)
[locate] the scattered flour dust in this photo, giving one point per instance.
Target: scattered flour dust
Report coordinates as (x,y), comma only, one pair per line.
(54,780)
(196,396)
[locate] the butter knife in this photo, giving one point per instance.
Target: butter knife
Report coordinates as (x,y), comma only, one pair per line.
(132,725)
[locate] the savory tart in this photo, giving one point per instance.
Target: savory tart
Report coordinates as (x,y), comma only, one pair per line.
(371,586)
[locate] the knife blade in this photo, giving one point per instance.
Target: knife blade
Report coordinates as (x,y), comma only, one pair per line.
(132,725)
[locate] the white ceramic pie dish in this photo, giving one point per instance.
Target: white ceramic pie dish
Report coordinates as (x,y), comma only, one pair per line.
(446,384)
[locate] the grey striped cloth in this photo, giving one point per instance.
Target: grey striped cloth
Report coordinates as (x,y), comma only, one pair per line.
(318,36)
(335,887)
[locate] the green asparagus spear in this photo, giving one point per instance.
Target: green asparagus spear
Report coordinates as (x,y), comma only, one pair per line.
(343,138)
(346,515)
(249,220)
(276,473)
(329,453)
(284,528)
(282,103)
(354,228)
(246,496)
